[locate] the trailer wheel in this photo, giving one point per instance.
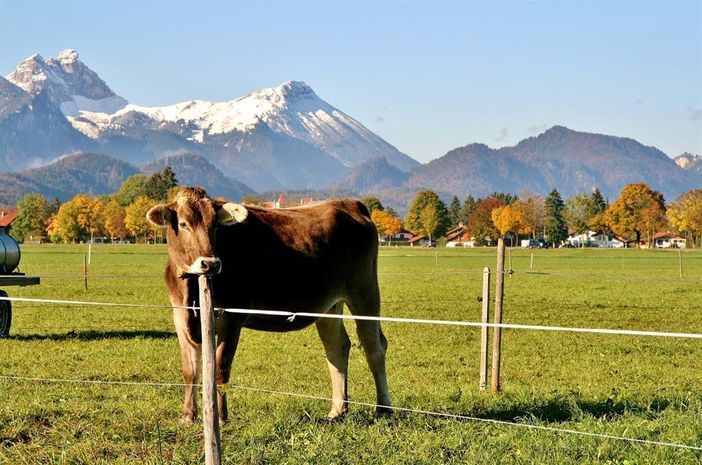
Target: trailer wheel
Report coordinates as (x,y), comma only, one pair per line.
(5,316)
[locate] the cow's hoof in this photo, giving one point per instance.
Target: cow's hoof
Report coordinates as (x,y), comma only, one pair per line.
(383,412)
(186,421)
(336,415)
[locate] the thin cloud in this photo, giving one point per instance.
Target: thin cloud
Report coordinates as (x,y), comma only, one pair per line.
(537,129)
(504,132)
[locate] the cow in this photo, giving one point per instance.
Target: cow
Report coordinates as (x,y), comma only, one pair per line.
(324,255)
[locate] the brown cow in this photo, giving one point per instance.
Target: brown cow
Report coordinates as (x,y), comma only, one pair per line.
(325,254)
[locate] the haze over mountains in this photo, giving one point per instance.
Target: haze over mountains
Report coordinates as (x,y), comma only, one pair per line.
(282,138)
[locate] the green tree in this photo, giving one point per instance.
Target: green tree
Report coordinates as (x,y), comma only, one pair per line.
(598,201)
(413,220)
(373,204)
(159,183)
(467,209)
(454,211)
(132,188)
(579,212)
(636,210)
(32,217)
(504,197)
(556,228)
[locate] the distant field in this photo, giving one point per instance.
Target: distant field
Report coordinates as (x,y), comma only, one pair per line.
(645,388)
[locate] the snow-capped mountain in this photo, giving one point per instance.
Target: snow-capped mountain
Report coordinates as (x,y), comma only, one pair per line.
(282,137)
(292,109)
(68,82)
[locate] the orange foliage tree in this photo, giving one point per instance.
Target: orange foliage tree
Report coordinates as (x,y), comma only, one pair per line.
(637,210)
(386,223)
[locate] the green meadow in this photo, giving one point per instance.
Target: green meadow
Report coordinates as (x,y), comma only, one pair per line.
(647,388)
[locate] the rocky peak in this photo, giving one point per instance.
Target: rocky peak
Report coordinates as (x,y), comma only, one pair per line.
(68,82)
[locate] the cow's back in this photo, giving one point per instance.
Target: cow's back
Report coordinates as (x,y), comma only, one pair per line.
(303,258)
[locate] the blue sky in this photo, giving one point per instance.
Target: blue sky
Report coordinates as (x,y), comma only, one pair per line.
(426,76)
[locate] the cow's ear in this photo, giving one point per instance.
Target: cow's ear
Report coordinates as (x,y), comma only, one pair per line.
(160,215)
(231,213)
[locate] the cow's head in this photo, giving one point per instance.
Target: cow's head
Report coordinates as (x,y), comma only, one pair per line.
(191,220)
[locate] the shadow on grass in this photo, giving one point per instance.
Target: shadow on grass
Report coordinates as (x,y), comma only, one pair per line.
(93,335)
(565,409)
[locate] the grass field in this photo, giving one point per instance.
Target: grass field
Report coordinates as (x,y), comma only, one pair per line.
(645,388)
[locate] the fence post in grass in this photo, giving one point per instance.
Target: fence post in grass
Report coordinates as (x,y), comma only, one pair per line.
(531,263)
(210,413)
(680,268)
(85,273)
(497,331)
(484,330)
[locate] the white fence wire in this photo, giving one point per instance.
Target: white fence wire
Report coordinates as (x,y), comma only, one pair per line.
(292,315)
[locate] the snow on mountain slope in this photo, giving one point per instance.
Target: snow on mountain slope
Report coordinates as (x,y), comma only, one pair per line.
(292,108)
(69,83)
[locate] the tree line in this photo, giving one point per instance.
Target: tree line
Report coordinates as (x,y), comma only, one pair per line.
(639,212)
(118,216)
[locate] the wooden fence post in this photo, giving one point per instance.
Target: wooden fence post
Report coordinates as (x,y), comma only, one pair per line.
(484,330)
(497,332)
(531,263)
(680,267)
(85,273)
(210,413)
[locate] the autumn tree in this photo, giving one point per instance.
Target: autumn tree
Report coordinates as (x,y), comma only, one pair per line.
(480,224)
(78,218)
(532,210)
(685,215)
(508,219)
(135,217)
(372,203)
(556,229)
(33,213)
(113,217)
(637,210)
(418,222)
(385,223)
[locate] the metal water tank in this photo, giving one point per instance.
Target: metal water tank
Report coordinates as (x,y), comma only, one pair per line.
(9,253)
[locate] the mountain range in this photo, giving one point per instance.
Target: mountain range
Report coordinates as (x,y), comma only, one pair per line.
(96,174)
(281,138)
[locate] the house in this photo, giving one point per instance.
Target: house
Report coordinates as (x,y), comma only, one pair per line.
(665,240)
(417,240)
(6,218)
(403,235)
(595,239)
(281,202)
(459,237)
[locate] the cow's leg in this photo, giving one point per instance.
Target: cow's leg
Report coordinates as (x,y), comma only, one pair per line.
(336,346)
(190,353)
(228,331)
(374,343)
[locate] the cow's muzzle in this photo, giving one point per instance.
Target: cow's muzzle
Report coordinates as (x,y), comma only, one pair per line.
(205,266)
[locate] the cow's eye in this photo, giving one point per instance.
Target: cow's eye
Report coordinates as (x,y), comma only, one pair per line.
(183,225)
